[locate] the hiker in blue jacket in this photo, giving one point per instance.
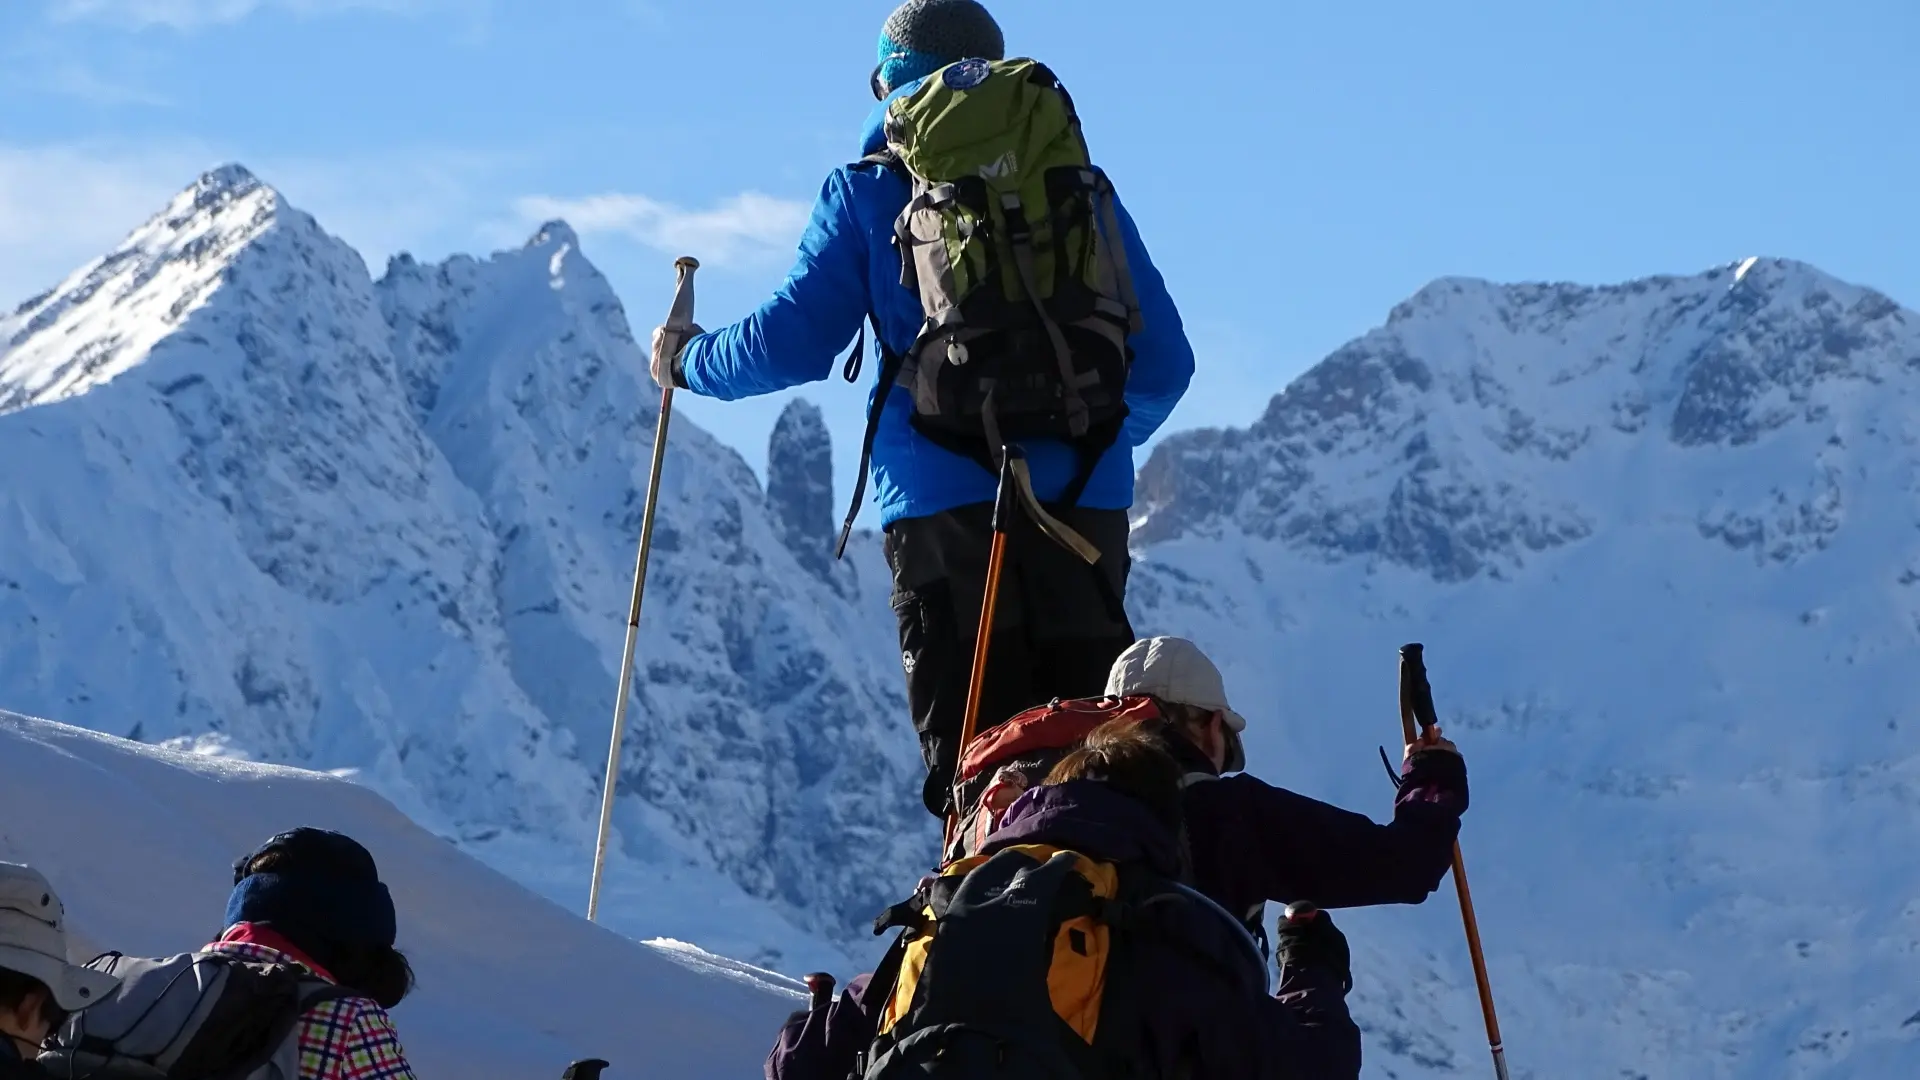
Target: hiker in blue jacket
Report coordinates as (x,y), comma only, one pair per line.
(1059,623)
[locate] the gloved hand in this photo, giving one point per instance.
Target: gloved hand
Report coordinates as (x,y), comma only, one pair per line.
(1308,940)
(1432,739)
(667,343)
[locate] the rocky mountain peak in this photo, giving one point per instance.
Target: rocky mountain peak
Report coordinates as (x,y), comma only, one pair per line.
(103,320)
(800,485)
(1464,435)
(552,234)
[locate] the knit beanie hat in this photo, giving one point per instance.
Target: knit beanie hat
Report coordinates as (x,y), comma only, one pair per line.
(325,888)
(923,36)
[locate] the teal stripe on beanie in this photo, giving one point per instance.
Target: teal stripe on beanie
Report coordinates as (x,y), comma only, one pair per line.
(899,66)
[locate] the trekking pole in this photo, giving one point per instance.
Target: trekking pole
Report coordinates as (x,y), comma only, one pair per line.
(679,321)
(1416,705)
(820,989)
(996,558)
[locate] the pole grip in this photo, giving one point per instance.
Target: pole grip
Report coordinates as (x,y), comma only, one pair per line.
(1416,693)
(1006,490)
(680,311)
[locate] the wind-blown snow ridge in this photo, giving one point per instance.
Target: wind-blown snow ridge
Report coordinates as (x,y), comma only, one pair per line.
(510,986)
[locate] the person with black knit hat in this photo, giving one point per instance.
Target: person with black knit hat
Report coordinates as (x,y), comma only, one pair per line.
(314,899)
(310,925)
(1058,622)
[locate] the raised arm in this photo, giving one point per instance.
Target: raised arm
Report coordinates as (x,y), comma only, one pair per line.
(794,337)
(1285,847)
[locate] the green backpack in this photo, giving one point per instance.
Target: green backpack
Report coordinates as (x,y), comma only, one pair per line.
(1012,243)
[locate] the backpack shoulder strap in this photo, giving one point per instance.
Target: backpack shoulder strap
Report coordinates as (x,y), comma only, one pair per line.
(1227,946)
(281,1039)
(891,364)
(886,159)
(254,1020)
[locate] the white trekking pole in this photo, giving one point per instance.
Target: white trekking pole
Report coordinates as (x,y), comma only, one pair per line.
(679,323)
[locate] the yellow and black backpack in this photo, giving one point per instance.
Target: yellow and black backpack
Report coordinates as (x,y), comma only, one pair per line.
(1022,965)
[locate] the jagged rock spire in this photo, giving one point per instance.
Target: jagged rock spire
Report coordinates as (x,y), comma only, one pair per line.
(800,485)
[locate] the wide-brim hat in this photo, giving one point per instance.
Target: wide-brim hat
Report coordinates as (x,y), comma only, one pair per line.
(33,940)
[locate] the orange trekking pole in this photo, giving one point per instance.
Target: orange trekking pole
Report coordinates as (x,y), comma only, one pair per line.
(1416,705)
(1003,498)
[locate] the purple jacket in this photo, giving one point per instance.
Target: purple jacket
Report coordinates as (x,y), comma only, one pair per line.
(1252,842)
(1197,1014)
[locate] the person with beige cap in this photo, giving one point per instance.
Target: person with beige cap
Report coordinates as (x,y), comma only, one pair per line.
(1251,842)
(39,987)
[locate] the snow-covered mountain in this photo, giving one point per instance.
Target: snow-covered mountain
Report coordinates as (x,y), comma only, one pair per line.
(258,503)
(1660,541)
(510,986)
(1658,538)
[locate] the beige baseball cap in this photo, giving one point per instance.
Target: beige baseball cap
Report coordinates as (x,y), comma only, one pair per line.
(33,940)
(1174,669)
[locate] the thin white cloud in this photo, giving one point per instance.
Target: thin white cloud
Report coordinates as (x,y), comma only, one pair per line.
(85,84)
(426,200)
(742,228)
(190,14)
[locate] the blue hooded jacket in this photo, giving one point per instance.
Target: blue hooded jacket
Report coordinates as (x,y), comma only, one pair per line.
(846,269)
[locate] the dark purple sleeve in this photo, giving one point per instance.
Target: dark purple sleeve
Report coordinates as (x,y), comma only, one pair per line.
(820,1044)
(1252,841)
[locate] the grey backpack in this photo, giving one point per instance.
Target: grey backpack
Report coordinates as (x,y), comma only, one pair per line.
(198,1016)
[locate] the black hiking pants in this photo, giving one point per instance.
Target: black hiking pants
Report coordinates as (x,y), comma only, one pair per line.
(1058,626)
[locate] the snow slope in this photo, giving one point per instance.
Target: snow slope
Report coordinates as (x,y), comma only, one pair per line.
(1660,540)
(510,985)
(260,504)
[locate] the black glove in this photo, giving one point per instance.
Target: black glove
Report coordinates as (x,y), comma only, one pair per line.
(1308,940)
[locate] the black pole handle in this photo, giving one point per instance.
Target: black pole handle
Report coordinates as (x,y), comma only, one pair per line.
(585,1069)
(1414,688)
(820,987)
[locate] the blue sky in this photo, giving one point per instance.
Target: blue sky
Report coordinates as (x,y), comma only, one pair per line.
(1296,168)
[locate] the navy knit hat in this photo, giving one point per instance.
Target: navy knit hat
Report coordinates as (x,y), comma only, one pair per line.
(923,36)
(325,887)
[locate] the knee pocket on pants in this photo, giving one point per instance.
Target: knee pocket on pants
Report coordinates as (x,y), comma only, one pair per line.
(929,642)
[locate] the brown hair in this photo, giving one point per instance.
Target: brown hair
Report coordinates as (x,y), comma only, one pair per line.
(1131,759)
(16,985)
